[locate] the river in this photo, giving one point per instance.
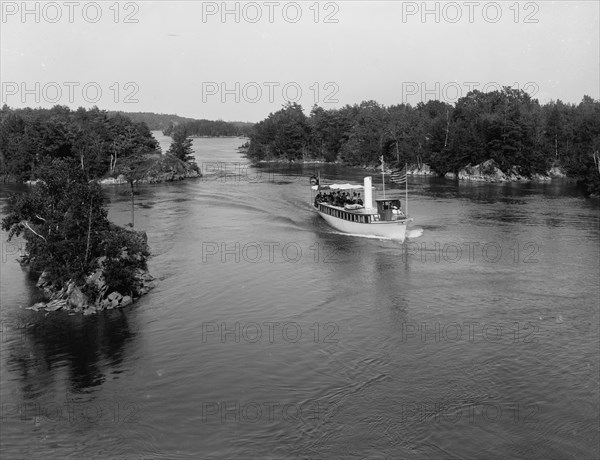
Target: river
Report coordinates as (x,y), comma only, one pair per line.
(269,335)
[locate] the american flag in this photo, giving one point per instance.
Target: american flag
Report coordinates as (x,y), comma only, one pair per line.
(399,176)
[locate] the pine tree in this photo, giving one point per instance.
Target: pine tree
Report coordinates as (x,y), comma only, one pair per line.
(181,147)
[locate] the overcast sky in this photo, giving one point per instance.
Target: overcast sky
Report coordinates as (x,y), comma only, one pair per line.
(197,60)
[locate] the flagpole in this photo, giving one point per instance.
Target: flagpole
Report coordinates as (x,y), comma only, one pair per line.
(406,189)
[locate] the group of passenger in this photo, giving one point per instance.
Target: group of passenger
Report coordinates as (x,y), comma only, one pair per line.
(338,198)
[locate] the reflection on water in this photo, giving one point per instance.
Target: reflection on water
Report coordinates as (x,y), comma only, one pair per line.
(476,339)
(88,349)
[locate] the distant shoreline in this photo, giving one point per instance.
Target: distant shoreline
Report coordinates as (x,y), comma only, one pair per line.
(163,168)
(485,172)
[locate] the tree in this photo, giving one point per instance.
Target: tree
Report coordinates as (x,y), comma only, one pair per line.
(30,137)
(507,126)
(62,219)
(282,135)
(327,133)
(134,169)
(181,147)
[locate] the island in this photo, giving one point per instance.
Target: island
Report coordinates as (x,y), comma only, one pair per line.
(84,262)
(497,136)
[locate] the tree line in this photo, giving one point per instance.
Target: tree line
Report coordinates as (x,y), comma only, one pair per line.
(210,128)
(192,127)
(98,143)
(517,132)
(154,121)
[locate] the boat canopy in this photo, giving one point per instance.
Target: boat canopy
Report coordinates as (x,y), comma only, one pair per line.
(337,187)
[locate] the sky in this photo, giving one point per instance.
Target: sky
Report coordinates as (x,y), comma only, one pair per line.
(240,61)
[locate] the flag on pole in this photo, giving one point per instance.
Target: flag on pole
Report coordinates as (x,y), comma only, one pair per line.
(399,176)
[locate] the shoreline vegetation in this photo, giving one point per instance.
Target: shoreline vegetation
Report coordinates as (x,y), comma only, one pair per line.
(499,136)
(488,171)
(84,262)
(97,291)
(165,168)
(111,149)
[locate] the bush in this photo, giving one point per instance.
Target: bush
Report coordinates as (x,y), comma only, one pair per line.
(65,223)
(126,252)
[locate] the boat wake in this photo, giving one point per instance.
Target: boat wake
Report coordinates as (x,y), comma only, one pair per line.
(373,237)
(414,233)
(410,234)
(360,235)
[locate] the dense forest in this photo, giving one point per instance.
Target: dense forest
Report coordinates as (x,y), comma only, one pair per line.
(154,121)
(210,128)
(192,127)
(507,126)
(31,138)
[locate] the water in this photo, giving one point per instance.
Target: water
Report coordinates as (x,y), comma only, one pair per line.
(270,335)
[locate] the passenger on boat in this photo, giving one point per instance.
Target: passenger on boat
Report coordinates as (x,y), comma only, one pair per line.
(359,200)
(397,212)
(337,199)
(318,198)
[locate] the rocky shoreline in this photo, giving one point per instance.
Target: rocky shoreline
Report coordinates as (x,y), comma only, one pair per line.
(488,171)
(292,162)
(94,294)
(166,168)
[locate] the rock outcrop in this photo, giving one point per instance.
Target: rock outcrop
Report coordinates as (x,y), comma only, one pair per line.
(166,168)
(488,171)
(169,168)
(94,294)
(424,170)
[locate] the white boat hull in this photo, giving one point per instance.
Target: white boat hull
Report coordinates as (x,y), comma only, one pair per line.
(395,230)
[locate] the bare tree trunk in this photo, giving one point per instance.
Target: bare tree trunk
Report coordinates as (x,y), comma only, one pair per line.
(447,128)
(113,162)
(87,246)
(26,224)
(132,206)
(81,155)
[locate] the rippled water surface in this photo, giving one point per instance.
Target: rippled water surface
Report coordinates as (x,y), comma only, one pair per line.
(271,335)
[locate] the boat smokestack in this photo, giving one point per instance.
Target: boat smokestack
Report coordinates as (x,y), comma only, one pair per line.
(368,193)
